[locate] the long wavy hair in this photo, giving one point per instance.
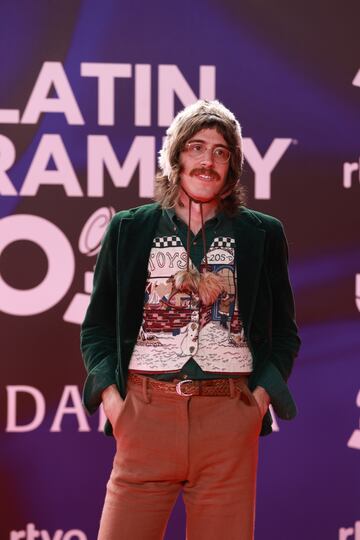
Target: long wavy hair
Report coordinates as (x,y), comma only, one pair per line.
(200,115)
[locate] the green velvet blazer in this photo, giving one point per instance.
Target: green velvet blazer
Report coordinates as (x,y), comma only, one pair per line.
(266,306)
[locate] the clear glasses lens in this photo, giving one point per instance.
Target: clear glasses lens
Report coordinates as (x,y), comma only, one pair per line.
(220,154)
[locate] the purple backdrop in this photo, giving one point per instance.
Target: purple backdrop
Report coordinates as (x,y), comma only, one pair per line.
(87,91)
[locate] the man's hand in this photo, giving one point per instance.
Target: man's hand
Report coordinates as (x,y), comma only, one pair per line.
(112,402)
(262,398)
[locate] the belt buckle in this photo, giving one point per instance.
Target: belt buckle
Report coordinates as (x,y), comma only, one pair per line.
(178,387)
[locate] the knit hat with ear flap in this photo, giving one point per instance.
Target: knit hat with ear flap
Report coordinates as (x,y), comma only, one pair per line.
(191,119)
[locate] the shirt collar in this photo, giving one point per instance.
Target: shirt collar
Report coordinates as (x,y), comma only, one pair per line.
(171,214)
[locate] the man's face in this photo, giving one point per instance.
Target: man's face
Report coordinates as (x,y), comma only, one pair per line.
(202,177)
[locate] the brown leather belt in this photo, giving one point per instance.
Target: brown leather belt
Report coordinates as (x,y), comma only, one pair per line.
(188,387)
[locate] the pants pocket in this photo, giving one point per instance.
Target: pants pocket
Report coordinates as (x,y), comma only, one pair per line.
(252,401)
(120,414)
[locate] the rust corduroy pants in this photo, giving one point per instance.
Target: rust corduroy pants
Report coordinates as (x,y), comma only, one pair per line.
(205,446)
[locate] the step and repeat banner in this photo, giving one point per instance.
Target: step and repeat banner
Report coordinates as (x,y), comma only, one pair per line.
(87,91)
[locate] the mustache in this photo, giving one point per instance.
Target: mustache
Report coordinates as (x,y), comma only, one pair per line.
(211,172)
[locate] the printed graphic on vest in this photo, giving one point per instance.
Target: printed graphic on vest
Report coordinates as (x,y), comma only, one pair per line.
(177,326)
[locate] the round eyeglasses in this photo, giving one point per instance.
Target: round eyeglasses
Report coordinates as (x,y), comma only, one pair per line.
(197,150)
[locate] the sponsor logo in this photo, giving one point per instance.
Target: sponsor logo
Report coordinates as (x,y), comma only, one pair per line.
(356,79)
(69,406)
(60,264)
(351,171)
(50,167)
(31,533)
(350,533)
(357,291)
(354,441)
(101,158)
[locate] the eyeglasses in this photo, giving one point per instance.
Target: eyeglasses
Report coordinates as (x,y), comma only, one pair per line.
(197,150)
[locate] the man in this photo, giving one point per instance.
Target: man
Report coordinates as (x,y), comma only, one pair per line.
(185,377)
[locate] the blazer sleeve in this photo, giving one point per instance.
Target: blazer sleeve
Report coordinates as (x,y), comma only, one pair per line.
(98,341)
(285,342)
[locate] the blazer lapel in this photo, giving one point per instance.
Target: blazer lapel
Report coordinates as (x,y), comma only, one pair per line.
(249,248)
(135,240)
